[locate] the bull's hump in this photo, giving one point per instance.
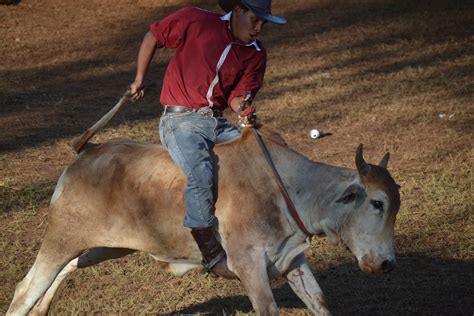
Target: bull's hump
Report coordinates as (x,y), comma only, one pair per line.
(127,153)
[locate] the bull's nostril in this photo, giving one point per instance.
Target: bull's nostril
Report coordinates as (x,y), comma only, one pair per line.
(388,265)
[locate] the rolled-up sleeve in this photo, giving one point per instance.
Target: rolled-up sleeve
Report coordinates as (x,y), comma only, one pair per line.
(170,32)
(252,78)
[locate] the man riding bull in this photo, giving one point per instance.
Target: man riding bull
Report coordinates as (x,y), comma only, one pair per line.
(218,62)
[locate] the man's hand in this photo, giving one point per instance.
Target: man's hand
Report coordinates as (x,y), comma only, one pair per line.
(136,90)
(246,112)
(247,117)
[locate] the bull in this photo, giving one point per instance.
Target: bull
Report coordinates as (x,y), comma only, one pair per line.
(124,196)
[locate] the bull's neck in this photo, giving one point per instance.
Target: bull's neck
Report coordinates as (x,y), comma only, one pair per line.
(312,186)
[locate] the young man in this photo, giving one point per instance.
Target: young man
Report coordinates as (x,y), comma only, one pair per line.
(217,63)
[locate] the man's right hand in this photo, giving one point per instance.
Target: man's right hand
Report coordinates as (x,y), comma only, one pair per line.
(136,90)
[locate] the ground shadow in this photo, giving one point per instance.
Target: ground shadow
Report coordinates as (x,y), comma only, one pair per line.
(420,285)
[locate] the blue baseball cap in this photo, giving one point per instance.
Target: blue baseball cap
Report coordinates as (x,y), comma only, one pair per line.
(261,9)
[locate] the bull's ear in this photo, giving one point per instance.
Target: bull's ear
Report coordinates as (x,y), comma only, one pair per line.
(384,162)
(362,166)
(350,193)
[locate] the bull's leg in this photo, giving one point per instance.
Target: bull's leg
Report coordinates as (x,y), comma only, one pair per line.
(49,262)
(251,268)
(303,283)
(91,257)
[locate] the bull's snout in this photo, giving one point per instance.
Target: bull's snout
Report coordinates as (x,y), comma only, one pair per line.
(375,264)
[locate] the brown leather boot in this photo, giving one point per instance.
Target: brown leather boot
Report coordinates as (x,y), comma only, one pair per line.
(213,255)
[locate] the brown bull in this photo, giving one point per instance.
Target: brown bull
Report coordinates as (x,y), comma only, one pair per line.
(123,196)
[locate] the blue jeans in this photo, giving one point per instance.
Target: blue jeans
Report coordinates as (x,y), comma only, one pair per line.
(189,138)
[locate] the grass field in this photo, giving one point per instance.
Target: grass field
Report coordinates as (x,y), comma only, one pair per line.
(396,76)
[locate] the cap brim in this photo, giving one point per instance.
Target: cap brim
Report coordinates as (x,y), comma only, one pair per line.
(270,18)
(228,5)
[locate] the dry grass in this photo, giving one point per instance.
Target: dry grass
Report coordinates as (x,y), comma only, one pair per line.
(394,75)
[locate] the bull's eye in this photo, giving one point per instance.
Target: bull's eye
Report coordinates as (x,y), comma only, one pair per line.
(378,205)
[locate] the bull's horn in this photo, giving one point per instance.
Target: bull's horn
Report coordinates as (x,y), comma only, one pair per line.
(384,162)
(362,166)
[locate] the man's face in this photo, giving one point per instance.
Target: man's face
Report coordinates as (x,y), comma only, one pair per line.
(245,25)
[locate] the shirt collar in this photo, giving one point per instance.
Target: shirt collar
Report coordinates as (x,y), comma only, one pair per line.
(253,43)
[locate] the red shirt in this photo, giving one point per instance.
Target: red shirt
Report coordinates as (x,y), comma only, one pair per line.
(204,43)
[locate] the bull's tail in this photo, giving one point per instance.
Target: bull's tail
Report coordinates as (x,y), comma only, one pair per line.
(89,145)
(80,142)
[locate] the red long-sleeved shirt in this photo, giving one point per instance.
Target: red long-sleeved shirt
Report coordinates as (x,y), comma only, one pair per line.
(204,43)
